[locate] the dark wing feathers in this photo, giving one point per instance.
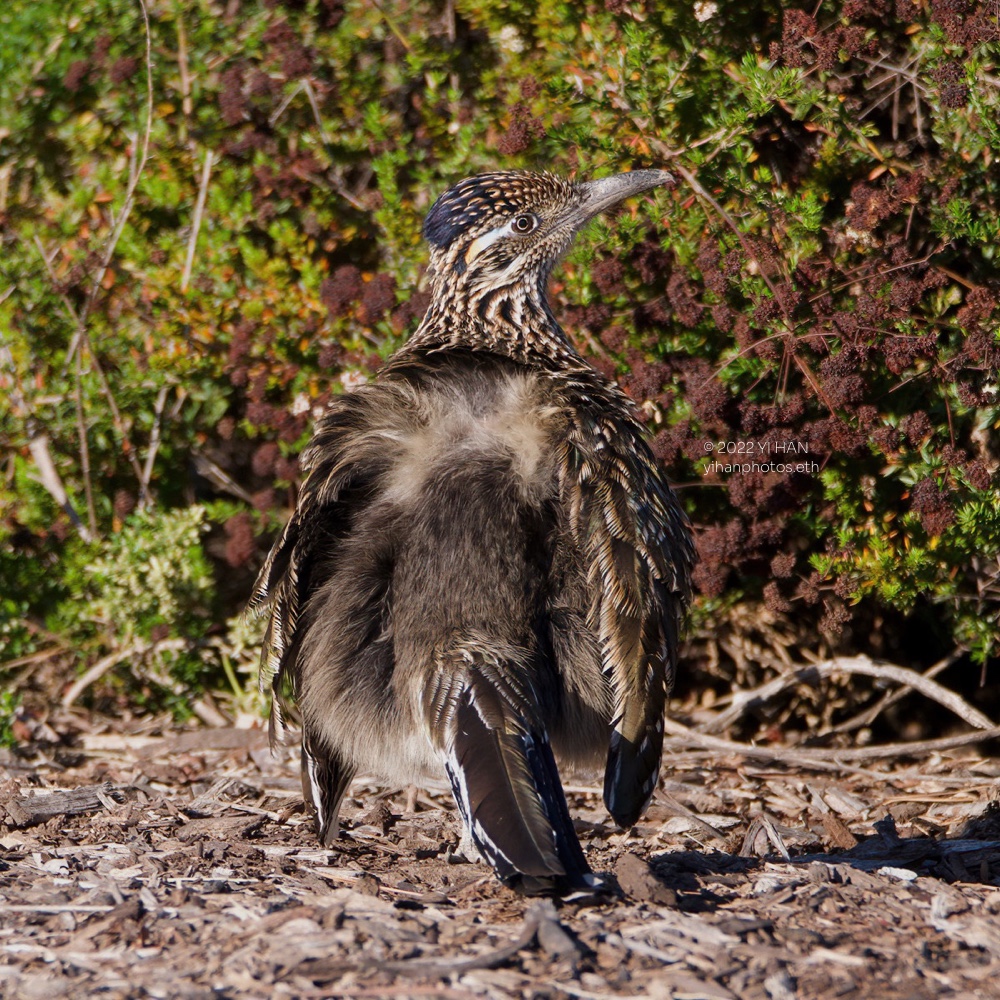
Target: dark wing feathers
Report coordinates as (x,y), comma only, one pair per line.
(343,459)
(636,544)
(482,712)
(325,779)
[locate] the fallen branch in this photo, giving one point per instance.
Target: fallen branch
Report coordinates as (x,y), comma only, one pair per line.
(870,714)
(53,908)
(743,701)
(30,810)
(820,758)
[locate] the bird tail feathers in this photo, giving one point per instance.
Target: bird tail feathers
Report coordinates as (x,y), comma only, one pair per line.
(325,778)
(507,786)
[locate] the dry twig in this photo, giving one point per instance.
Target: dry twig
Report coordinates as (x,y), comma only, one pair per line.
(744,701)
(103,665)
(81,337)
(870,714)
(821,759)
(199,208)
(154,440)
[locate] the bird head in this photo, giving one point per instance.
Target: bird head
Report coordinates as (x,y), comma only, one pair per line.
(494,239)
(507,229)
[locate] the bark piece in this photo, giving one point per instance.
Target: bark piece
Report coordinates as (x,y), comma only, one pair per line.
(30,810)
(638,881)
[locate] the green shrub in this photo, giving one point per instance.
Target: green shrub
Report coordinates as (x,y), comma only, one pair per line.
(823,278)
(150,580)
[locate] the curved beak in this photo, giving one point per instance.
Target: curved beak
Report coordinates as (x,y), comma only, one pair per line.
(609,191)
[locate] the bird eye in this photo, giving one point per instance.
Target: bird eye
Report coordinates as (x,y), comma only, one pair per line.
(524,224)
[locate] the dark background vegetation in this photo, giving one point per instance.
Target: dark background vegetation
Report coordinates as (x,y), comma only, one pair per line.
(182,292)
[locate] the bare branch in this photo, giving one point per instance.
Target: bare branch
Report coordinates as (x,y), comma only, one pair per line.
(821,759)
(185,74)
(103,665)
(81,434)
(154,442)
(38,444)
(81,337)
(199,208)
(743,701)
(283,106)
(869,715)
(48,475)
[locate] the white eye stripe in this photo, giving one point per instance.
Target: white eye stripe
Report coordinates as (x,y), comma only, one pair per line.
(477,246)
(520,225)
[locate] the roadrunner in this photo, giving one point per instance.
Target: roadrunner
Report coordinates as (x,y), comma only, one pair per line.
(486,567)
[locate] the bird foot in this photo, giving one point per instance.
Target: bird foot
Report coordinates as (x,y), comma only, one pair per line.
(466,851)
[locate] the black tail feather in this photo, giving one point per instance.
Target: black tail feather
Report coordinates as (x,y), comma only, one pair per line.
(636,745)
(508,791)
(631,775)
(325,778)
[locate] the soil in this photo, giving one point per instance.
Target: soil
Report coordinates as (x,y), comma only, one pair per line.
(184,866)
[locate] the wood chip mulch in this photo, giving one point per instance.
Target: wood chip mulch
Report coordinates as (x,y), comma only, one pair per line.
(183,866)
